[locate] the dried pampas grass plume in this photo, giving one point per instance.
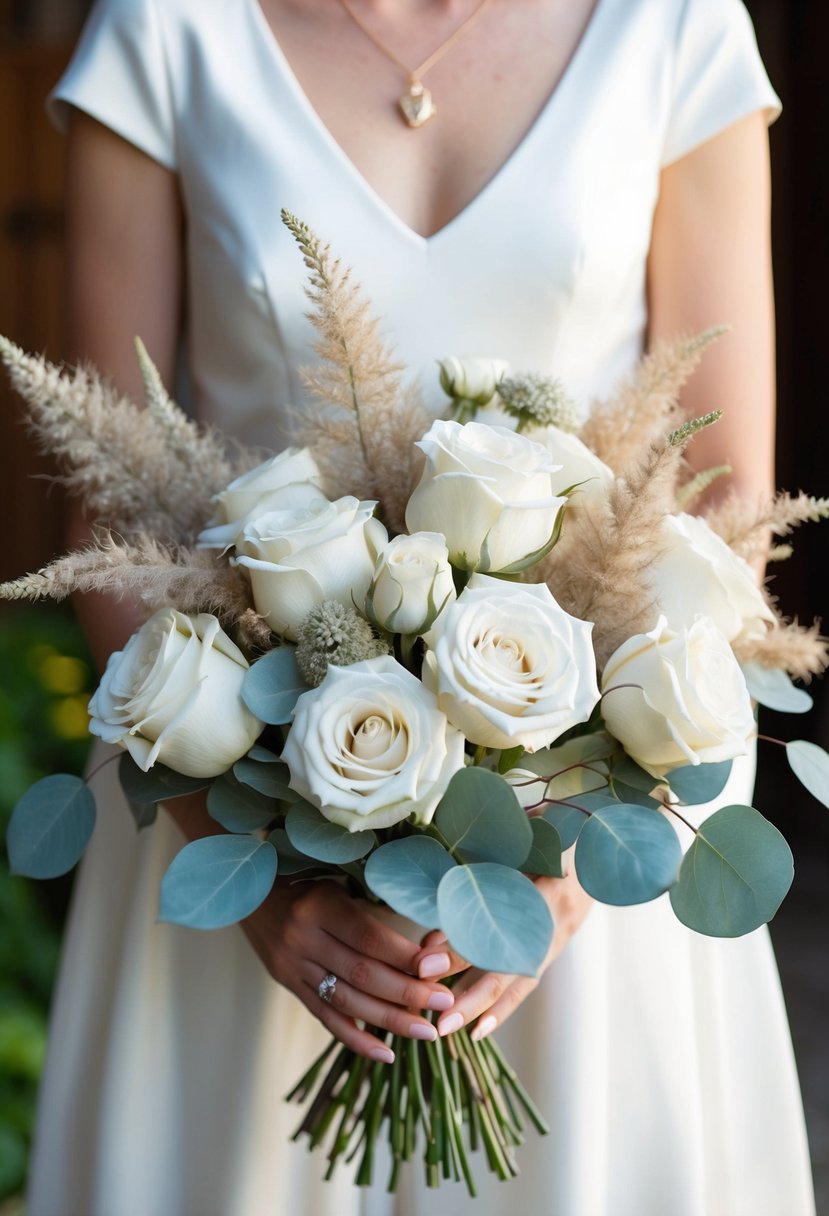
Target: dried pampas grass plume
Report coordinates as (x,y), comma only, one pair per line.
(646,405)
(800,650)
(598,570)
(137,470)
(363,430)
(745,525)
(194,580)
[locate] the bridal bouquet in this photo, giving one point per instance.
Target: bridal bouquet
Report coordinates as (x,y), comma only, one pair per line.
(434,659)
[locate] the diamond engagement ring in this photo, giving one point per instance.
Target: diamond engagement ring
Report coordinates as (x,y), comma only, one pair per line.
(327,987)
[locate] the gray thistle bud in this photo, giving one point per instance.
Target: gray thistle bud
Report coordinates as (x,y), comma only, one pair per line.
(332,633)
(537,400)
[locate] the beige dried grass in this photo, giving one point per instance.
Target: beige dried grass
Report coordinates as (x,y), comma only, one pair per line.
(139,471)
(366,421)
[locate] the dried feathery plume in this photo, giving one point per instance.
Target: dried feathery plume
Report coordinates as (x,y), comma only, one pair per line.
(332,633)
(745,525)
(537,400)
(644,406)
(192,579)
(597,571)
(693,489)
(365,418)
(138,471)
(800,650)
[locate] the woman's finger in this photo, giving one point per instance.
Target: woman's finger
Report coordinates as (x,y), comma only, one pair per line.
(507,1003)
(367,935)
(375,978)
(474,995)
(343,1027)
(355,1003)
(436,959)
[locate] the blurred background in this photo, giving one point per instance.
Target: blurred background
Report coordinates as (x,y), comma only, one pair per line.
(45,673)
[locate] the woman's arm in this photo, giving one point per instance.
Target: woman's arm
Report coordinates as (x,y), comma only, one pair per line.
(125,233)
(710,264)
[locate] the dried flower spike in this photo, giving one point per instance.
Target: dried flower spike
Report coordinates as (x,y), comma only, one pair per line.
(537,400)
(332,633)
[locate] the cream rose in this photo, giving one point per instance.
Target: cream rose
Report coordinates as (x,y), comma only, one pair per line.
(689,703)
(577,465)
(289,480)
(297,559)
(489,491)
(174,695)
(698,574)
(370,747)
(510,666)
(412,583)
(471,378)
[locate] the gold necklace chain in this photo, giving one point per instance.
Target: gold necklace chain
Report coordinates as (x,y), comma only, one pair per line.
(416,104)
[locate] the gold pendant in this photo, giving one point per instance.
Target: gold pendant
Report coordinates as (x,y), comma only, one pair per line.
(416,105)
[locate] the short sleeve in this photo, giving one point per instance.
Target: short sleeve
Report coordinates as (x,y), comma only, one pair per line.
(119,76)
(719,76)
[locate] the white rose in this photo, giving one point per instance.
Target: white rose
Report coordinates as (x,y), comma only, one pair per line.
(412,583)
(577,464)
(174,695)
(699,574)
(471,378)
(690,704)
(489,491)
(297,559)
(291,479)
(510,666)
(370,747)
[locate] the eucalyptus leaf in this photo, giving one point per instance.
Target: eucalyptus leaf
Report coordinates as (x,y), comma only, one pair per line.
(263,755)
(545,854)
(509,758)
(627,854)
(291,861)
(773,688)
(406,874)
(273,685)
(480,819)
(50,827)
(625,771)
(810,764)
(237,807)
(695,784)
(217,881)
(144,814)
(735,874)
(567,821)
(158,784)
(495,918)
(266,778)
(315,836)
(630,795)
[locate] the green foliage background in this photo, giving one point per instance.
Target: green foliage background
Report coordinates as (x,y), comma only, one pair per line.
(46,681)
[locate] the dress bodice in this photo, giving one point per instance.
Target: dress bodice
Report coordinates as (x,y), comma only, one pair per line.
(545,267)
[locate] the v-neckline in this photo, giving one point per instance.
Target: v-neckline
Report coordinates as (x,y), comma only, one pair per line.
(580,51)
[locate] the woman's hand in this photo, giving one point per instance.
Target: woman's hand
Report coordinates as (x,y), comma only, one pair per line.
(309,930)
(491,996)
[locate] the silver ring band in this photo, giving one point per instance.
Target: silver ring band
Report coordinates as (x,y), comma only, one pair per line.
(327,987)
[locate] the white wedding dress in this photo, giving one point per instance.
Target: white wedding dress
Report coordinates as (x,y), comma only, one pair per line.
(662,1059)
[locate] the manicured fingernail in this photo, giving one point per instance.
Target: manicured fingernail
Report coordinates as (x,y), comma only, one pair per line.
(433,964)
(383,1055)
(450,1024)
(422,1030)
(484,1027)
(440,1001)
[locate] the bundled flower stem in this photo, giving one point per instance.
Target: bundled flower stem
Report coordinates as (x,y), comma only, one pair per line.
(460,1093)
